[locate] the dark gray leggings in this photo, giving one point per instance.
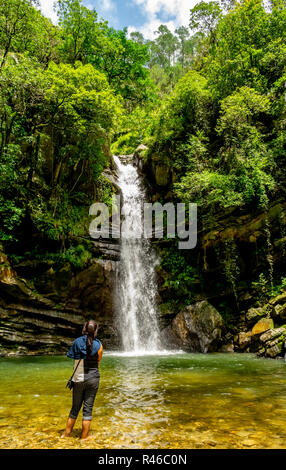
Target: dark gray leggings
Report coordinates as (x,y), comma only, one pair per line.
(84,393)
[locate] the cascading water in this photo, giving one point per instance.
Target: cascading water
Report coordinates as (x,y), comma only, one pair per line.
(136,286)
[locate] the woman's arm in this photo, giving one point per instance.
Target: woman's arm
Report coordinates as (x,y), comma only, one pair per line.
(99,352)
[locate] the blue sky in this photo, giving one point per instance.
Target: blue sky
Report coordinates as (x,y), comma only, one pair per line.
(140,15)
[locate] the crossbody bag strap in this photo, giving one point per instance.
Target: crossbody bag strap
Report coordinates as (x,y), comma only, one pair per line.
(75,369)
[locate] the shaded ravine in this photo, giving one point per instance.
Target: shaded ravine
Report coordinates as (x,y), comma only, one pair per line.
(136,288)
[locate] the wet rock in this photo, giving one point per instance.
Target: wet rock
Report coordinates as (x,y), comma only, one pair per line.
(262,325)
(197,328)
(108,251)
(91,289)
(138,156)
(55,284)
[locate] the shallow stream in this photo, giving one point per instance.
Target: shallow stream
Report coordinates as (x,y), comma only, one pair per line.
(167,401)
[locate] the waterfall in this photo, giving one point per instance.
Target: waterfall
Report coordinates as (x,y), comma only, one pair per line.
(136,287)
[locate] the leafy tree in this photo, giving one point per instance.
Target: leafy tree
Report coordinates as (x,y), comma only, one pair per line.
(137,37)
(205,16)
(121,59)
(16,25)
(123,63)
(186,46)
(164,47)
(81,33)
(184,114)
(243,37)
(54,141)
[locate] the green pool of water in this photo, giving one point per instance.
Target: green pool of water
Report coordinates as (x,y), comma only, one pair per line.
(172,401)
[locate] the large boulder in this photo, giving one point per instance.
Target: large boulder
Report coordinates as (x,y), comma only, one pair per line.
(198,328)
(272,334)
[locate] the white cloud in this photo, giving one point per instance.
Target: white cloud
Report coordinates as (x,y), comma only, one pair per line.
(106,8)
(107,5)
(156,10)
(48,10)
(148,28)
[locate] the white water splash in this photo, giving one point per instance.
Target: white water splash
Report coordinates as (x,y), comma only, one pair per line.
(136,286)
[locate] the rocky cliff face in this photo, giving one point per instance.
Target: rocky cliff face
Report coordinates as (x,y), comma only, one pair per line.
(44,316)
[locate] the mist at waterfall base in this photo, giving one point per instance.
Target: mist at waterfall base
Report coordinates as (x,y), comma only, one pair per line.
(136,290)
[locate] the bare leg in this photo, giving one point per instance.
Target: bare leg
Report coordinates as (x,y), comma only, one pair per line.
(85,428)
(69,427)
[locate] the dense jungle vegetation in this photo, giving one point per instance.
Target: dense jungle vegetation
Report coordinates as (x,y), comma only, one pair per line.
(208,101)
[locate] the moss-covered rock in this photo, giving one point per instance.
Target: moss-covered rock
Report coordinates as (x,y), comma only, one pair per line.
(270,335)
(254,314)
(275,350)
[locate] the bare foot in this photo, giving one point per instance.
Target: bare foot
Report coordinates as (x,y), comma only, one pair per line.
(87,438)
(65,435)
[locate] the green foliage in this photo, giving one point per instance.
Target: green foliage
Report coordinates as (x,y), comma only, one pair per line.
(81,34)
(24,30)
(90,41)
(262,288)
(182,276)
(11,208)
(126,144)
(78,256)
(241,173)
(184,113)
(204,16)
(283,284)
(163,48)
(131,130)
(246,38)
(209,189)
(55,125)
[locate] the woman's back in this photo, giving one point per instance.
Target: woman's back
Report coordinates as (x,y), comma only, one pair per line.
(88,367)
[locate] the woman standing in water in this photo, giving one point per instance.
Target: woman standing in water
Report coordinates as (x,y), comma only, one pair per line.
(87,353)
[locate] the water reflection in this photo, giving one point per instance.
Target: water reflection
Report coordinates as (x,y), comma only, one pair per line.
(136,397)
(176,401)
